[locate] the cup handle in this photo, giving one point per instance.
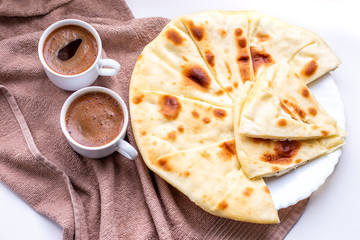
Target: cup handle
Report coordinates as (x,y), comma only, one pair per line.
(126,149)
(113,70)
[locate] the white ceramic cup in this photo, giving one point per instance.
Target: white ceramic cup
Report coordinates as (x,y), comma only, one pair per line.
(83,79)
(118,144)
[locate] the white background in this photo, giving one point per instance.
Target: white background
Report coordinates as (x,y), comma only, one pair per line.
(333,211)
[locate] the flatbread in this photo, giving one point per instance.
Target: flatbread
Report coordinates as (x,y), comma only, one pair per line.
(182,95)
(164,123)
(256,206)
(173,64)
(282,107)
(272,40)
(211,177)
(314,60)
(221,37)
(265,157)
(179,140)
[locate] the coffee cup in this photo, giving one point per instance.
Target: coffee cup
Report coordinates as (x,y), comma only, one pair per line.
(94,121)
(84,64)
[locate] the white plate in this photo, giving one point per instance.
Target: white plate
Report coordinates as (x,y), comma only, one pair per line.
(298,184)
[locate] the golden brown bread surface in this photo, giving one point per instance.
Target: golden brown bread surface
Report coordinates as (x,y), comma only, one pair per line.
(184,89)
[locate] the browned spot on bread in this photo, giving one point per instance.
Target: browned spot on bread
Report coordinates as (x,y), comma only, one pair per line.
(275,168)
(284,108)
(282,122)
(196,31)
(185,174)
(297,161)
(325,133)
(210,58)
(285,151)
(222,33)
(197,76)
(242,42)
(140,57)
(260,58)
(205,154)
(219,92)
(235,84)
(238,32)
(219,113)
(206,120)
(261,141)
(248,191)
(262,37)
(310,68)
(185,59)
(229,146)
(312,111)
(245,74)
(266,189)
(172,135)
(180,128)
(143,133)
(163,163)
(301,113)
(170,107)
(137,99)
(243,58)
(174,37)
(195,114)
(229,89)
(228,69)
(305,92)
(223,205)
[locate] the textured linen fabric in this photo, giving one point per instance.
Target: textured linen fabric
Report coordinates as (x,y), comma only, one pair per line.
(108,198)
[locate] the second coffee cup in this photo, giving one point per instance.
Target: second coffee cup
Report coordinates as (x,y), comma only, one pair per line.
(94,121)
(70,52)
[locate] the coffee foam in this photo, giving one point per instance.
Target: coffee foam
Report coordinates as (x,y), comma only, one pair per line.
(94,119)
(84,56)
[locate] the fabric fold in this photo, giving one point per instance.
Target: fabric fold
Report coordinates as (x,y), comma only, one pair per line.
(13,8)
(30,168)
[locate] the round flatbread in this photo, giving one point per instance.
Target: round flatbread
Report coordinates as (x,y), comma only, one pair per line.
(182,96)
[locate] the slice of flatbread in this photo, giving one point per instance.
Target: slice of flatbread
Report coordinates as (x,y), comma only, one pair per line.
(172,63)
(314,60)
(211,177)
(280,107)
(272,40)
(222,39)
(164,123)
(256,206)
(266,157)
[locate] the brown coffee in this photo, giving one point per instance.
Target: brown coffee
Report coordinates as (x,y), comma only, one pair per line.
(70,50)
(94,119)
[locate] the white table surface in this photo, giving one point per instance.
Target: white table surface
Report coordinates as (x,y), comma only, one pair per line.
(334,209)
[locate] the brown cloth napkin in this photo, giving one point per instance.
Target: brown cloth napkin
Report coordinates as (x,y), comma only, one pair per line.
(109,198)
